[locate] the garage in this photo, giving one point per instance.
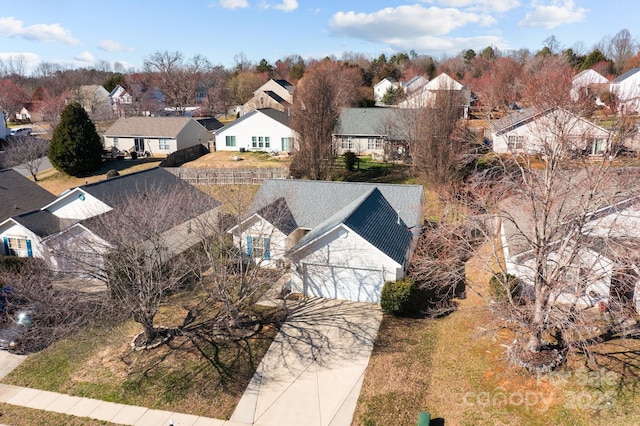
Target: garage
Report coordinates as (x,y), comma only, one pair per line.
(345,283)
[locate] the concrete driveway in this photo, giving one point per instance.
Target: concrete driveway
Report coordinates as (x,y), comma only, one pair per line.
(9,361)
(313,371)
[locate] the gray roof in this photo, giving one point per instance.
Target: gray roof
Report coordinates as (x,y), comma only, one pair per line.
(155,127)
(210,123)
(279,116)
(514,119)
(115,191)
(374,219)
(626,75)
(288,86)
(43,223)
(20,195)
(387,122)
(313,202)
(279,215)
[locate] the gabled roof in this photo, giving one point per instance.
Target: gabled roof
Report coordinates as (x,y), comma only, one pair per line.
(590,72)
(385,122)
(278,214)
(443,82)
(626,75)
(313,202)
(158,127)
(115,191)
(279,116)
(277,98)
(286,85)
(43,223)
(210,123)
(374,219)
(390,80)
(19,195)
(523,116)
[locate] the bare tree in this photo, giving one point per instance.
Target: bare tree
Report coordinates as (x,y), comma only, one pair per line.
(144,248)
(177,80)
(28,151)
(552,239)
(325,89)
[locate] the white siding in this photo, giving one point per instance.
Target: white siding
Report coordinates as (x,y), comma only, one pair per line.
(260,228)
(78,205)
(12,230)
(258,125)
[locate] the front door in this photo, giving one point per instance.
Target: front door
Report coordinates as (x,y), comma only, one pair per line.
(139,142)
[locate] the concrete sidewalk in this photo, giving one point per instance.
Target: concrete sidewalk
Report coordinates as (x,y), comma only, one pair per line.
(313,371)
(101,410)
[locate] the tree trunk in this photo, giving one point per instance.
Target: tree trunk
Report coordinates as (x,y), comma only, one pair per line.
(535,342)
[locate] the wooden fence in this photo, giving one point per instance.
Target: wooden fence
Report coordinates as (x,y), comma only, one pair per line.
(229,176)
(182,156)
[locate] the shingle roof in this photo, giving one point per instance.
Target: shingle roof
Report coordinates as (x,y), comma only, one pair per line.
(115,191)
(626,75)
(385,122)
(43,223)
(278,214)
(374,219)
(279,116)
(313,202)
(288,86)
(158,127)
(513,119)
(20,195)
(210,123)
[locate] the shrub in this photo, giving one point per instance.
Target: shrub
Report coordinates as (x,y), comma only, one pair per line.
(350,160)
(400,298)
(501,283)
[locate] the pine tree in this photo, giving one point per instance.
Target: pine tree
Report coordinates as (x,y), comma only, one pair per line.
(75,147)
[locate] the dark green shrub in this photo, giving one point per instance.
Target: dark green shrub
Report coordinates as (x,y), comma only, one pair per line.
(501,283)
(350,160)
(400,298)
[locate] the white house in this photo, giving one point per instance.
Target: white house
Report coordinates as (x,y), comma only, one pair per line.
(414,84)
(587,83)
(381,87)
(156,136)
(259,130)
(627,89)
(531,131)
(427,95)
(342,240)
(66,220)
(121,100)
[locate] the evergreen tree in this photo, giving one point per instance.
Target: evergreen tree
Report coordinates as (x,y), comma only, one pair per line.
(75,147)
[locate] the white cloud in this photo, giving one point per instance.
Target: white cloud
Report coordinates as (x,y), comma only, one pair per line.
(110,46)
(84,57)
(287,5)
(234,4)
(30,59)
(403,22)
(499,6)
(558,12)
(40,32)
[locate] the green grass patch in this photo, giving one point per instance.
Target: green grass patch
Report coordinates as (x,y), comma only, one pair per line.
(15,415)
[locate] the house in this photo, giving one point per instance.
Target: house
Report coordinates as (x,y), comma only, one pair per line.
(121,101)
(4,131)
(626,87)
(381,87)
(265,129)
(276,94)
(342,240)
(602,266)
(371,131)
(94,99)
(155,136)
(428,95)
(20,195)
(588,83)
(66,220)
(531,131)
(415,83)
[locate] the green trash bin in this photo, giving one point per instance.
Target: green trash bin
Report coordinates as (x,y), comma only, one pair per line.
(424,419)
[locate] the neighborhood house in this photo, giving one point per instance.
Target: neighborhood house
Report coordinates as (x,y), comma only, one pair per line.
(259,130)
(342,240)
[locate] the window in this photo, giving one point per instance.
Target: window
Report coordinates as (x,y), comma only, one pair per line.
(286,144)
(139,143)
(374,143)
(17,247)
(260,142)
(115,142)
(347,143)
(163,144)
(516,142)
(230,140)
(258,247)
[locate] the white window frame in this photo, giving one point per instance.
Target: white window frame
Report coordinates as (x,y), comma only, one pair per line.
(230,141)
(164,144)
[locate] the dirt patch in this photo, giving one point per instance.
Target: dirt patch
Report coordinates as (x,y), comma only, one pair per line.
(232,159)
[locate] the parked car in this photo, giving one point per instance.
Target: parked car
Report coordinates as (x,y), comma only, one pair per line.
(11,335)
(23,131)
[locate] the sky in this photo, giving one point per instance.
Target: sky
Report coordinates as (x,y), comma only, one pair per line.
(76,34)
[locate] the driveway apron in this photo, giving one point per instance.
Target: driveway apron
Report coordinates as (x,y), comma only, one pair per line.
(313,371)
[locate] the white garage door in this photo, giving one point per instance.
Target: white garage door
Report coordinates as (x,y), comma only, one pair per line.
(358,285)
